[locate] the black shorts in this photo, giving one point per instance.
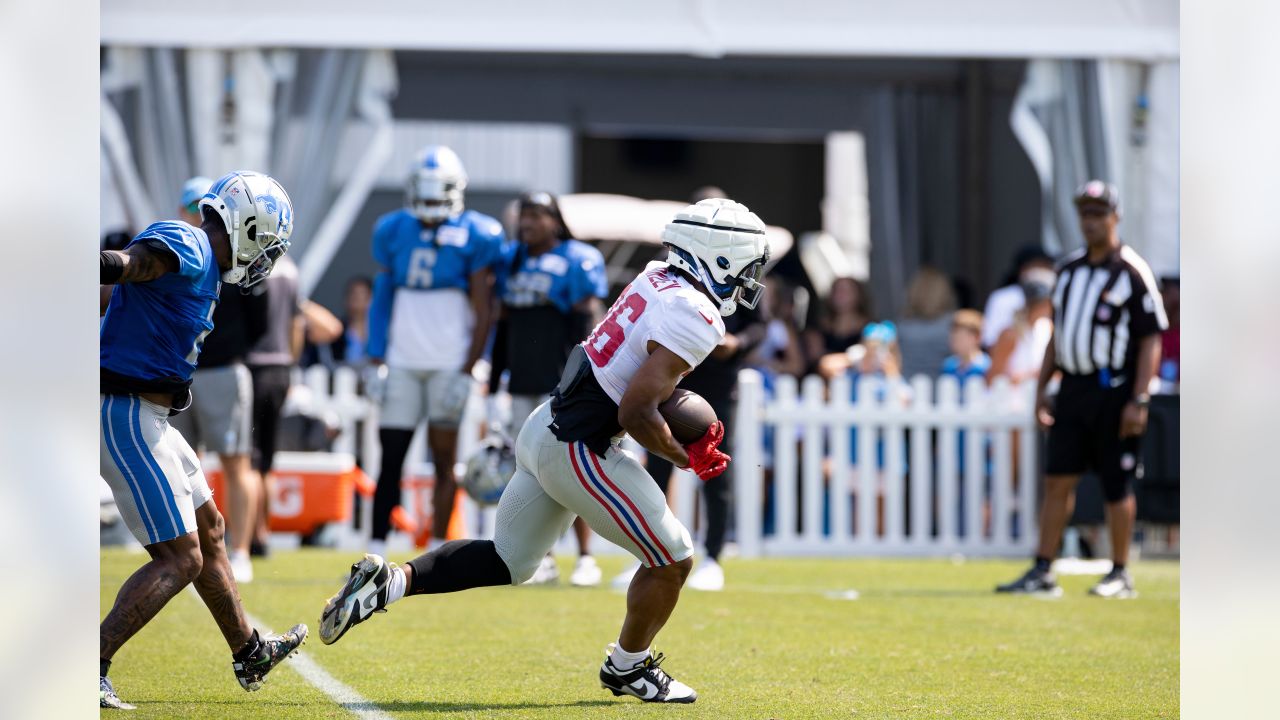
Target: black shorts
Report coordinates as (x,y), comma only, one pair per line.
(1085,436)
(270,387)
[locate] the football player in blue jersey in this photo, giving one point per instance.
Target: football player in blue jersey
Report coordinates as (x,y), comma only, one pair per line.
(429,321)
(167,281)
(551,287)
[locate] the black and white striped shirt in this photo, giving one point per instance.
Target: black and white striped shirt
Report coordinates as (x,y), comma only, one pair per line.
(1100,312)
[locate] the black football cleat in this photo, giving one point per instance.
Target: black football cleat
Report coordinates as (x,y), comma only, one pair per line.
(363,594)
(1033,582)
(647,681)
(273,649)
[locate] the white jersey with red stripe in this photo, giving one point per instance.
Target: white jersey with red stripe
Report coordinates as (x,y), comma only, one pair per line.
(659,306)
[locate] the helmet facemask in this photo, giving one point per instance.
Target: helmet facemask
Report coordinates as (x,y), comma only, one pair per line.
(432,199)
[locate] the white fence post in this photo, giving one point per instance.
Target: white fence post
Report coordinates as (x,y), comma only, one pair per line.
(811,466)
(921,466)
(841,483)
(748,462)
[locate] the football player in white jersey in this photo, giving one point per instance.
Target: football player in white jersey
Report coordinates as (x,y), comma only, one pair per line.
(568,461)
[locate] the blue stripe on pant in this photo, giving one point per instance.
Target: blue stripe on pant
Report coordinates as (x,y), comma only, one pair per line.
(166,490)
(149,483)
(113,447)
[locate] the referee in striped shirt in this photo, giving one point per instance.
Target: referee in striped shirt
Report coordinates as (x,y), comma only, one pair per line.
(1106,342)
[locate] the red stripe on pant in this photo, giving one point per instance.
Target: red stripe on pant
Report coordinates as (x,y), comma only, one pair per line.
(652,536)
(586,484)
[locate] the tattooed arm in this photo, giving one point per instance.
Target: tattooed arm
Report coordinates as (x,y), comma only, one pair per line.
(139,262)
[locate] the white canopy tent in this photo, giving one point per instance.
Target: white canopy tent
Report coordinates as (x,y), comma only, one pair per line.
(1114,29)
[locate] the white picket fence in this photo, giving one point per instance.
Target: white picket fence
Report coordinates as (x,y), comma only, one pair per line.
(909,502)
(908,446)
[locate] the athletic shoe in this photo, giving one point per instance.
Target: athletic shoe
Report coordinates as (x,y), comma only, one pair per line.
(107,697)
(363,594)
(241,567)
(622,580)
(1116,584)
(647,681)
(708,576)
(586,573)
(1033,582)
(548,573)
(252,673)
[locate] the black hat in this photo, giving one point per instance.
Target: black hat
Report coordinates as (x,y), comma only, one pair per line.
(546,202)
(1097,191)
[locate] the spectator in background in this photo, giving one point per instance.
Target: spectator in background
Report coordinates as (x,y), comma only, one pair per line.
(1170,343)
(1019,350)
(1007,300)
(222,398)
(876,355)
(780,353)
(966,359)
(349,346)
(845,312)
(551,289)
(289,320)
(925,329)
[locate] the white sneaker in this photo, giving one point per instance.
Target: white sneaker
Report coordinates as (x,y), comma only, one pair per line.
(622,580)
(548,573)
(241,567)
(707,576)
(586,573)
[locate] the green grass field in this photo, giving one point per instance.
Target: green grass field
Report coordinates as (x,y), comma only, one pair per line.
(925,638)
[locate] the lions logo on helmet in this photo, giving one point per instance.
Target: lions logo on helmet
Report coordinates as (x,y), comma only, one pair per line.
(490,468)
(436,183)
(258,216)
(723,245)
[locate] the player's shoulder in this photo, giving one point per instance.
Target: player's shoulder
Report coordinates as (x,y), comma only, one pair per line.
(172,230)
(481,225)
(188,241)
(583,254)
(688,304)
(393,222)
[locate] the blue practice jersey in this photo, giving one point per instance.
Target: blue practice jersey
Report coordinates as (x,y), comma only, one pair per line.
(539,294)
(563,277)
(153,330)
(417,258)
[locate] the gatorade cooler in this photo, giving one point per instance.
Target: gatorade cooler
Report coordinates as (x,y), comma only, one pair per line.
(309,490)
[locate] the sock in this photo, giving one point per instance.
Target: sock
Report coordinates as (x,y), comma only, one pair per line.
(1117,567)
(624,660)
(249,649)
(458,565)
(1043,563)
(395,588)
(104,666)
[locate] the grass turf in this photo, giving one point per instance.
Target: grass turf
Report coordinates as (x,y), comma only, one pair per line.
(925,638)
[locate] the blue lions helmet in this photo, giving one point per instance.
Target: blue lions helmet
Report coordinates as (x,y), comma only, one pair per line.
(258,216)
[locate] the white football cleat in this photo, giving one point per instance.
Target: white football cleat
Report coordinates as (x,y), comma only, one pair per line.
(586,573)
(647,681)
(622,580)
(548,573)
(708,576)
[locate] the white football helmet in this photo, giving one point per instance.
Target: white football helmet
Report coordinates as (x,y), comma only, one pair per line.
(436,184)
(723,245)
(490,468)
(258,216)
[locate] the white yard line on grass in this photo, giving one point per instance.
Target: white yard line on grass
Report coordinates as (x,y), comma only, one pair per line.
(319,678)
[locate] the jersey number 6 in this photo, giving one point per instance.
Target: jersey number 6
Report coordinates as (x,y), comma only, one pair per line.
(610,330)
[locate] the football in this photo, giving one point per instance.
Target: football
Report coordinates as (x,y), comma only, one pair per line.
(688,415)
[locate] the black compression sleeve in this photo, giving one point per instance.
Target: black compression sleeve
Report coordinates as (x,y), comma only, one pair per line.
(110,267)
(458,565)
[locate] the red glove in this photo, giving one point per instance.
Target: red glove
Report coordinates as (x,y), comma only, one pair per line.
(705,459)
